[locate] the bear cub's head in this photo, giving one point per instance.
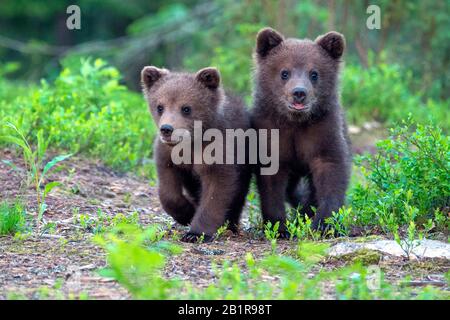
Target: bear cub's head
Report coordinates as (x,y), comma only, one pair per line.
(298,77)
(176,100)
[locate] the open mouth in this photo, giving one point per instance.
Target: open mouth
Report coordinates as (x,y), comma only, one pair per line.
(298,106)
(169,141)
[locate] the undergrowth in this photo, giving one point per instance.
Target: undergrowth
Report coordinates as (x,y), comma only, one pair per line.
(137,258)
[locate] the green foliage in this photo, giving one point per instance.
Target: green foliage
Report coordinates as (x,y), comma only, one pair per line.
(187,33)
(342,221)
(87,110)
(310,252)
(170,14)
(12,218)
(406,180)
(36,167)
(254,215)
(136,259)
(222,229)
(300,226)
(271,233)
(382,92)
(234,59)
(102,222)
(10,90)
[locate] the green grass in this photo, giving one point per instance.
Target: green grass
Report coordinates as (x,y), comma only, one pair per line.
(12,218)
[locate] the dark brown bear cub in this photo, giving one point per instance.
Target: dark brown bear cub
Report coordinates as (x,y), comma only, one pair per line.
(194,192)
(296,91)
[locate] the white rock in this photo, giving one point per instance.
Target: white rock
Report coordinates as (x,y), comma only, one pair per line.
(354,129)
(425,248)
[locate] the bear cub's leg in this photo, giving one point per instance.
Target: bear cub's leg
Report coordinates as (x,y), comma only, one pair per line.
(218,191)
(272,191)
(171,196)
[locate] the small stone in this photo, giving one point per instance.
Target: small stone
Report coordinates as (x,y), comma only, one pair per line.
(109,194)
(209,252)
(354,129)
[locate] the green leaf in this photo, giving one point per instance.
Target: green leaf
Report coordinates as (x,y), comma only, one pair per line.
(55,161)
(41,145)
(42,209)
(18,142)
(50,186)
(107,273)
(11,164)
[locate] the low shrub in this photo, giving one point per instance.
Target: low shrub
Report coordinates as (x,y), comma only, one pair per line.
(409,173)
(86,110)
(382,92)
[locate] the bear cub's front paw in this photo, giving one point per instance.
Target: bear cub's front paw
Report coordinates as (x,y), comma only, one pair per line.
(195,237)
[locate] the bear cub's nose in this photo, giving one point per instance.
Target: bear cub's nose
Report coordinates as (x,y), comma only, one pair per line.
(299,94)
(166,129)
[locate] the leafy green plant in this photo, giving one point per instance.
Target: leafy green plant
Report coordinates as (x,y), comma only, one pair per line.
(136,260)
(254,216)
(300,226)
(49,227)
(441,220)
(34,162)
(410,170)
(292,228)
(222,229)
(413,236)
(271,233)
(12,218)
(342,221)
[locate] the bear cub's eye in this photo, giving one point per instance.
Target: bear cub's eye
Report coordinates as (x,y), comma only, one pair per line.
(313,75)
(160,109)
(285,74)
(186,110)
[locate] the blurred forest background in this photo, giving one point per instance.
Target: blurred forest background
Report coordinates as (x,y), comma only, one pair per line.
(194,33)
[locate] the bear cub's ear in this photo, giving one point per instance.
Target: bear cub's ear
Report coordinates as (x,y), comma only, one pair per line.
(266,40)
(333,42)
(209,77)
(150,75)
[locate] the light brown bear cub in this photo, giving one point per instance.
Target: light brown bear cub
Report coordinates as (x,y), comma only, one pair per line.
(202,195)
(296,91)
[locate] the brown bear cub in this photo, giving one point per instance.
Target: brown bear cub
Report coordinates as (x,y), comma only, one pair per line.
(206,196)
(296,91)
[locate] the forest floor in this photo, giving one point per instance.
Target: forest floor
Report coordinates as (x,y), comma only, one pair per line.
(65,262)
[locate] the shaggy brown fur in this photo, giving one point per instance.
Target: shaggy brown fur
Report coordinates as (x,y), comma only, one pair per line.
(296,91)
(202,195)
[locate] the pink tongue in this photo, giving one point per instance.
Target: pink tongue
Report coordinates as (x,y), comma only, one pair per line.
(298,106)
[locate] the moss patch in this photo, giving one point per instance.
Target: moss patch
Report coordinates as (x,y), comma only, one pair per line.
(364,256)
